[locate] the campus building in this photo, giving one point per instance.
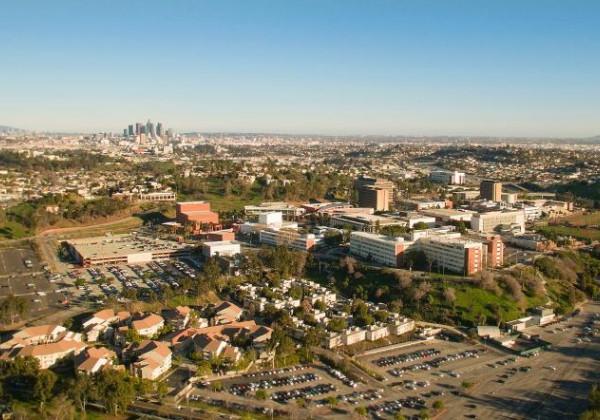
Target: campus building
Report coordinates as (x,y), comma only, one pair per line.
(375,193)
(380,248)
(490,190)
(124,249)
(289,212)
(197,213)
(448,177)
(491,221)
(287,237)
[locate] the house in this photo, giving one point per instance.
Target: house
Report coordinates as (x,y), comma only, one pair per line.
(93,359)
(227,312)
(48,354)
(98,323)
(35,335)
(148,326)
(178,317)
(152,359)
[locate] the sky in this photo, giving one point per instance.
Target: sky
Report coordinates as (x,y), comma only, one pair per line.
(396,67)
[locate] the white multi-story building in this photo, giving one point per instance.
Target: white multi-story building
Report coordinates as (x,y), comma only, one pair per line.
(448,177)
(353,335)
(271,219)
(401,326)
(380,248)
(376,332)
(287,237)
(221,248)
(456,255)
(290,212)
(488,222)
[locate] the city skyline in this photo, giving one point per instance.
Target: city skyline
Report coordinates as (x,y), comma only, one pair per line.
(516,69)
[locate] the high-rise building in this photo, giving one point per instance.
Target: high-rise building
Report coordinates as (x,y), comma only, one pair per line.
(159,129)
(124,132)
(375,193)
(138,128)
(150,129)
(491,190)
(131,132)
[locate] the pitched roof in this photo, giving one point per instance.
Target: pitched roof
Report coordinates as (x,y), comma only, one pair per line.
(51,348)
(105,314)
(147,322)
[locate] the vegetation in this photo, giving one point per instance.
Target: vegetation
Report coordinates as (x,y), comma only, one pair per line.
(593,410)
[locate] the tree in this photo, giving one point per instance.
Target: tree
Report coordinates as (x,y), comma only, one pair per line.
(62,408)
(161,390)
(450,295)
(204,368)
(332,401)
(216,386)
(361,411)
(337,325)
(438,405)
(44,385)
(12,307)
(116,389)
(261,394)
(81,391)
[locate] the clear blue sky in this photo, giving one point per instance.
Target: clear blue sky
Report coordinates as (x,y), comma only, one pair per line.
(481,67)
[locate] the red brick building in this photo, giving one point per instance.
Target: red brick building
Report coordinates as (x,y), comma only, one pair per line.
(199,214)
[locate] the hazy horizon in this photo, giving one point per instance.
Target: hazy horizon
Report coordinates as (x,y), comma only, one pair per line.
(405,68)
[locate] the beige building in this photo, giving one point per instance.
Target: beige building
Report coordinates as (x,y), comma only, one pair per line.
(490,190)
(489,221)
(375,193)
(376,332)
(149,325)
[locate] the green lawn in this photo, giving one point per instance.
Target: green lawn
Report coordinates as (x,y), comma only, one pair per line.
(13,230)
(474,303)
(575,232)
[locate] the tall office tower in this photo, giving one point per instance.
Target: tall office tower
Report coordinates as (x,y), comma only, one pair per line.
(491,190)
(143,129)
(159,129)
(138,129)
(131,132)
(375,193)
(124,132)
(150,129)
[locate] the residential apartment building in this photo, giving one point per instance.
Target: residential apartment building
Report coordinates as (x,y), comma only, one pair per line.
(148,326)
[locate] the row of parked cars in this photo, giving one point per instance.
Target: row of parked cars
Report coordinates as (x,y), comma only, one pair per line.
(243,389)
(281,371)
(340,376)
(408,357)
(306,392)
(436,363)
(391,407)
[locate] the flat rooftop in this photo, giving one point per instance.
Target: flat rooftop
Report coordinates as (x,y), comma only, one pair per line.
(122,245)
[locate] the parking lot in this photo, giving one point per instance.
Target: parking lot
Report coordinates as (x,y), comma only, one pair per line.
(100,282)
(470,380)
(22,274)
